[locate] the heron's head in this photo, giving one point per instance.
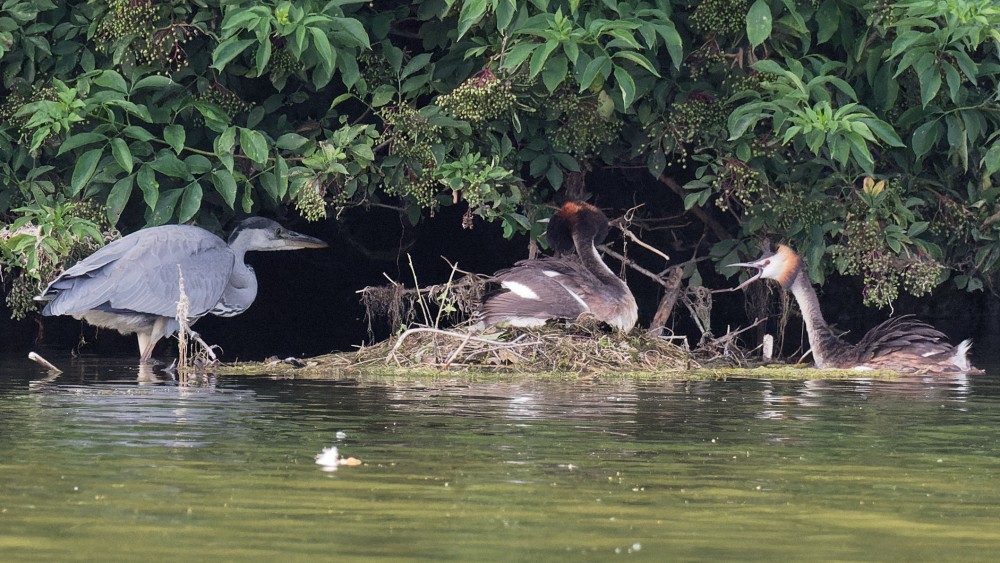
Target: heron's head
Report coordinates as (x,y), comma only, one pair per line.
(259,233)
(782,265)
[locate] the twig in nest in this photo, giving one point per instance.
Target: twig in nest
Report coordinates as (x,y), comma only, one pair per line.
(466,337)
(622,224)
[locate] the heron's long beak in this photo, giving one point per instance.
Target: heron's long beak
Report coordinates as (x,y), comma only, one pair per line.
(751,279)
(290,240)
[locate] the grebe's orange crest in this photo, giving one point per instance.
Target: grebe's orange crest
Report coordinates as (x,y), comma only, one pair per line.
(788,263)
(571,210)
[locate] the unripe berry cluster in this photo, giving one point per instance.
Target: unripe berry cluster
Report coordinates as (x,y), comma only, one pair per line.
(309,202)
(481,98)
(720,17)
(582,130)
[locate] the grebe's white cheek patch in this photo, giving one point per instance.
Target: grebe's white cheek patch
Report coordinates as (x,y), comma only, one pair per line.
(520,290)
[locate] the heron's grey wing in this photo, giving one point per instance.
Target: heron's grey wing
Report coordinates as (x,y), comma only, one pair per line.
(142,273)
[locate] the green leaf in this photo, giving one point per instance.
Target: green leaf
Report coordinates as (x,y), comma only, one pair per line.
(355,29)
(165,207)
(138,133)
(254,144)
(639,60)
(270,185)
(599,66)
(383,95)
(759,21)
(518,54)
(174,135)
(261,58)
(281,175)
(80,140)
(505,11)
(672,39)
(883,131)
(111,80)
(828,17)
(197,164)
(225,185)
(555,72)
(155,81)
(290,141)
(190,202)
(122,154)
(418,62)
(229,50)
(540,56)
(146,178)
(991,160)
(167,163)
(84,170)
(925,137)
(472,12)
(954,81)
(118,198)
(930,83)
(626,85)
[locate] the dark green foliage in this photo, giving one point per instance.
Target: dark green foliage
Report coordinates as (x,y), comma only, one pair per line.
(770,113)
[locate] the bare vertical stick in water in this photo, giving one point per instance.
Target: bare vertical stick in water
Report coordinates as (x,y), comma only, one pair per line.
(182,320)
(768,347)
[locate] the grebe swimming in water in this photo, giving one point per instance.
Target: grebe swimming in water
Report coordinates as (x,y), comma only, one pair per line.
(901,343)
(573,283)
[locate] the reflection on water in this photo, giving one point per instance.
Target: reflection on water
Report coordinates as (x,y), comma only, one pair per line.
(105,462)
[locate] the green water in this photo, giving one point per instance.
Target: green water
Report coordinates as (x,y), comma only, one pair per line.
(95,465)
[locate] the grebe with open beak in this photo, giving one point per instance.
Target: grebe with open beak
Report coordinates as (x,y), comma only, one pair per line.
(575,282)
(902,343)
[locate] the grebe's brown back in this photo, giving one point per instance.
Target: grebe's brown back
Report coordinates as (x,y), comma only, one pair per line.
(573,283)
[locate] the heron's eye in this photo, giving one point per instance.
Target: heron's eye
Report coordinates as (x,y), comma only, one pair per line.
(279,232)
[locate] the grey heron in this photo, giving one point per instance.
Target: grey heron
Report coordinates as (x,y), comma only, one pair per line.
(131,285)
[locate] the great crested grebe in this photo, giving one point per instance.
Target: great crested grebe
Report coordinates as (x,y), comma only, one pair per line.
(573,283)
(902,343)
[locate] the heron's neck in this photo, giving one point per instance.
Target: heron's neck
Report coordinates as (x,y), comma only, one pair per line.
(241,291)
(822,340)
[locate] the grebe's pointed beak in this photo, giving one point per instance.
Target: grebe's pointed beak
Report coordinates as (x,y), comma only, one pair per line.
(751,279)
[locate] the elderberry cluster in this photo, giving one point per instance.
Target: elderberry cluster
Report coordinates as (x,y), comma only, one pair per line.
(481,98)
(736,182)
(282,60)
(225,98)
(375,69)
(410,135)
(124,19)
(720,17)
(16,100)
(582,130)
(310,203)
(422,187)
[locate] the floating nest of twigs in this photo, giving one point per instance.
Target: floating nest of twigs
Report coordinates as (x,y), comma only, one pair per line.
(573,348)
